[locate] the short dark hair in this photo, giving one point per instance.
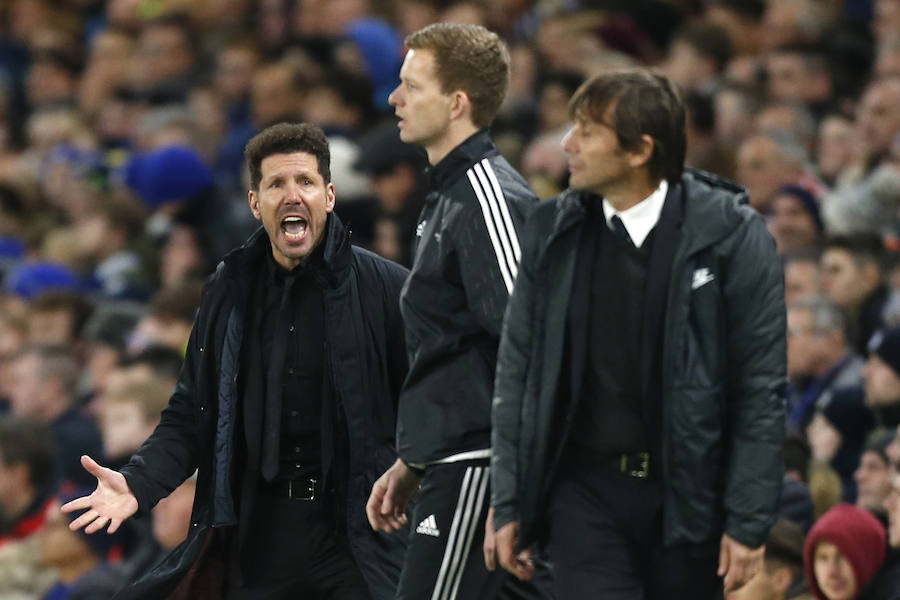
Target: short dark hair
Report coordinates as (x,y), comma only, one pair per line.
(78,305)
(23,441)
(286,138)
(865,248)
(469,58)
(644,102)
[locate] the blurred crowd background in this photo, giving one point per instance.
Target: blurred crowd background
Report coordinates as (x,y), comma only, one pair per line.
(122,184)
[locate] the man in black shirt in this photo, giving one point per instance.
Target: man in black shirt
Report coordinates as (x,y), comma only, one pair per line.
(639,402)
(286,405)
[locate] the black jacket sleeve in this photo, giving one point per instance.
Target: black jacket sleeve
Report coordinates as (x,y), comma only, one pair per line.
(485,239)
(509,388)
(756,380)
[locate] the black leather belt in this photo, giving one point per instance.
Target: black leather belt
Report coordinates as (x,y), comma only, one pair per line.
(635,464)
(294,489)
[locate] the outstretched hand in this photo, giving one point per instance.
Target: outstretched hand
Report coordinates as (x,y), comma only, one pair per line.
(111,503)
(386,508)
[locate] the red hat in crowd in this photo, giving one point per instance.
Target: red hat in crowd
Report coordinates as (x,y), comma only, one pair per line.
(858,535)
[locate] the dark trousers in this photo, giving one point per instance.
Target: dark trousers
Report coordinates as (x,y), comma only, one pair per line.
(444,558)
(293,552)
(605,542)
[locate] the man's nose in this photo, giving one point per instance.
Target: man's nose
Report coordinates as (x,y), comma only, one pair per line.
(394,98)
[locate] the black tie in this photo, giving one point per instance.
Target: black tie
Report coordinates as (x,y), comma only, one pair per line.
(275,385)
(618,229)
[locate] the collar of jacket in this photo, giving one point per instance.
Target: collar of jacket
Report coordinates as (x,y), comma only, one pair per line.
(709,209)
(336,257)
(479,145)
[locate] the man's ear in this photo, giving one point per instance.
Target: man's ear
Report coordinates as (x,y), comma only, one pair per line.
(782,579)
(330,197)
(641,155)
(460,105)
(253,201)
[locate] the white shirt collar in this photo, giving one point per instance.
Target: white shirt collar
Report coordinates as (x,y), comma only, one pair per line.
(640,219)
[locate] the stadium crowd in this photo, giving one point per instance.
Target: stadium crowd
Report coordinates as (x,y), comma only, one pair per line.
(122,184)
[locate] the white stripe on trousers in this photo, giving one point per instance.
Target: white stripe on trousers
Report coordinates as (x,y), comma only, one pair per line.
(462,532)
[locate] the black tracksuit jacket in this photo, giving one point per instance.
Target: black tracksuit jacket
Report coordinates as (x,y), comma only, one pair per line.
(466,260)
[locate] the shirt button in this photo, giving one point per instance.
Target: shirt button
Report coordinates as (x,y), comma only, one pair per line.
(291,371)
(297,449)
(291,328)
(297,466)
(293,413)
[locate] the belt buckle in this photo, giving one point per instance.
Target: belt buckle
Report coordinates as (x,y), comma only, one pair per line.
(303,492)
(643,472)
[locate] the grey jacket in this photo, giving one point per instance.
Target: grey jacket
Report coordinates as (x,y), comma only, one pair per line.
(723,368)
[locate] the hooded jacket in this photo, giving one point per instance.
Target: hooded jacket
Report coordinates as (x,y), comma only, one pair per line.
(720,319)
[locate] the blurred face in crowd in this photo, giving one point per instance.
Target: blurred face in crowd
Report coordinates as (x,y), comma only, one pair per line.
(887,63)
(234,73)
(892,506)
(50,327)
(881,382)
(770,583)
(124,427)
(805,344)
(833,572)
(873,481)
(762,168)
(886,20)
(824,439)
(172,515)
(27,391)
(62,548)
(893,453)
(13,484)
(786,76)
(293,202)
(838,145)
(878,117)
(424,110)
(686,67)
(801,278)
(844,281)
(273,96)
(733,119)
(791,224)
(163,53)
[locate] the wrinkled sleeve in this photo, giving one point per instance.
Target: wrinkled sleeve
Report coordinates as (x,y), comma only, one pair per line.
(756,381)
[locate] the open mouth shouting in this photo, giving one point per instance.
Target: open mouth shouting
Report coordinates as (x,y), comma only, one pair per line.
(294,227)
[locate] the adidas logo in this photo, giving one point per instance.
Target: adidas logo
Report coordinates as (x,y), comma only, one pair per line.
(429,527)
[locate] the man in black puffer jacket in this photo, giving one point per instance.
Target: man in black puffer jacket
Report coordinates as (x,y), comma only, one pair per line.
(286,405)
(639,401)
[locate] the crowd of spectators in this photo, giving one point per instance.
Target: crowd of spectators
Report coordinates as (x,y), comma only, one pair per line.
(122,128)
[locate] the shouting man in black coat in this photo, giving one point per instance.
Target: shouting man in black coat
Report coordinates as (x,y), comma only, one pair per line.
(286,405)
(638,408)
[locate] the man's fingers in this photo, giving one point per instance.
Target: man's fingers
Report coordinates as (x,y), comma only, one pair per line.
(114,525)
(724,547)
(91,466)
(98,524)
(83,520)
(76,504)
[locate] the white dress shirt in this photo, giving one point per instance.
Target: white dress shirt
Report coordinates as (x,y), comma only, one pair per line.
(640,219)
